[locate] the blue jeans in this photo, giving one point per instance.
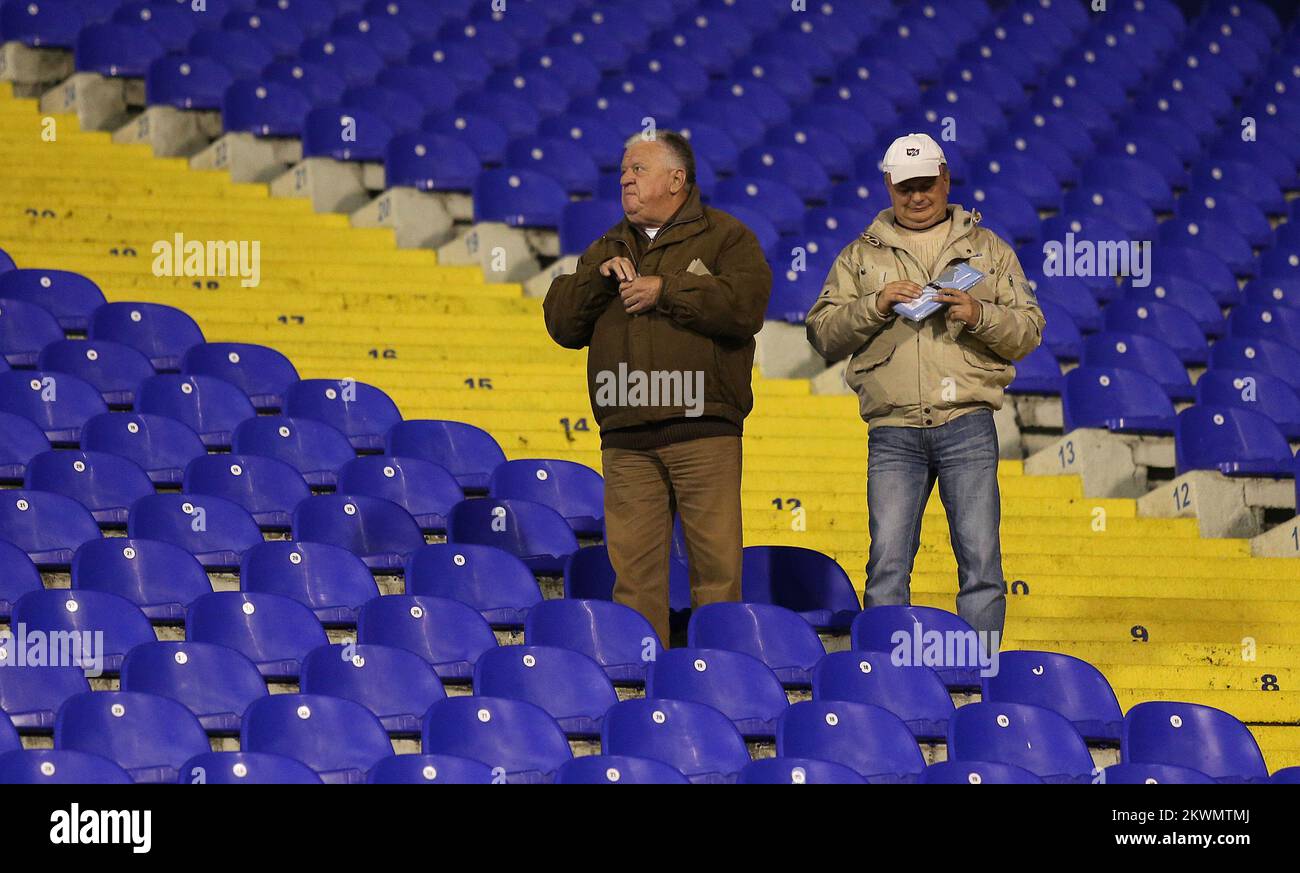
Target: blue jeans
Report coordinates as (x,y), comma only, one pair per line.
(902,466)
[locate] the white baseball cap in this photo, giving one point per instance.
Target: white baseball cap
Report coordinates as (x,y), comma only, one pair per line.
(908,157)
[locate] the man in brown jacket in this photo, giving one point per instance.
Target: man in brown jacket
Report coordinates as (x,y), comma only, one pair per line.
(669,301)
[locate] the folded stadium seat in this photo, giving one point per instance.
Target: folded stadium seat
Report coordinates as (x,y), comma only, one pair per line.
(798,771)
(615,22)
(1050,166)
(430,162)
(429,770)
(778,637)
(803,580)
(789,165)
(1120,400)
(313,17)
(485,135)
(827,155)
(117,50)
(517,739)
(496,583)
(163,333)
(449,635)
(465,64)
(600,140)
(187,82)
(339,739)
(1286,776)
(1076,77)
(1231,440)
(264,374)
(240,52)
(786,74)
(694,738)
(216,683)
(328,579)
(278,29)
(566,64)
(868,195)
(1278,323)
(1275,162)
(574,490)
(1257,355)
(59,767)
(41,25)
(171,25)
(25,329)
(1152,774)
(570,687)
(159,445)
(272,631)
(513,112)
(362,412)
(104,483)
(1163,321)
(1070,294)
(113,368)
(589,575)
(400,110)
(739,686)
(977,773)
(616,637)
(875,628)
(70,297)
(434,89)
(838,222)
(395,685)
(1016,216)
(1211,234)
(519,198)
(59,403)
(494,44)
(1037,739)
(1186,294)
(18,575)
(1131,174)
(1019,173)
(1132,141)
(213,529)
(563,161)
(533,532)
(870,740)
(1259,391)
(326,129)
(147,735)
(1060,334)
(888,80)
(356,61)
(421,487)
(1238,177)
(266,108)
(246,768)
(544,91)
(675,67)
(48,527)
(1191,735)
(31,696)
(1197,265)
(6,262)
(314,448)
(1037,373)
(1281,252)
(773,199)
(1064,684)
(618,770)
(915,694)
(160,578)
(1116,205)
(267,488)
(585,220)
(378,531)
(1142,353)
(702,45)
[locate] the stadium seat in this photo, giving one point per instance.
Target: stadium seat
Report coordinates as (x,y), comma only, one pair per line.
(1028,736)
(1064,684)
(496,583)
(30,696)
(267,488)
(1286,776)
(776,636)
(328,579)
(59,767)
(1232,440)
(1259,391)
(1166,322)
(802,580)
(70,297)
(147,735)
(362,412)
(1192,735)
(1143,353)
(25,329)
(59,403)
(569,686)
(161,446)
(1120,400)
(211,407)
(261,373)
(161,333)
(429,770)
(575,491)
(1152,774)
(449,635)
(694,738)
(160,578)
(739,686)
(618,770)
(588,575)
(395,685)
(48,527)
(1258,355)
(273,632)
(615,636)
(519,198)
(870,740)
(53,25)
(21,439)
(977,773)
(424,489)
(536,534)
(315,449)
(113,368)
(214,682)
(468,452)
(245,768)
(875,629)
(106,484)
(798,771)
(915,694)
(517,739)
(214,530)
(187,82)
(271,108)
(378,531)
(339,739)
(18,575)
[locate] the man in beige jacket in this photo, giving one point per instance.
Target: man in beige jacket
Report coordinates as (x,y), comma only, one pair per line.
(928,388)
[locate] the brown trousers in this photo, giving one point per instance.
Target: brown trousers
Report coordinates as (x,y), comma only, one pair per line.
(700,479)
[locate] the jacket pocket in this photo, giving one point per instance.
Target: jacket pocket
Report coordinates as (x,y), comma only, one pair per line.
(983,360)
(867,375)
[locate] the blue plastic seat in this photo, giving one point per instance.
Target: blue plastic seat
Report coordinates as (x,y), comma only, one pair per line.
(278,29)
(58,402)
(1258,355)
(1259,391)
(494,582)
(1142,353)
(378,531)
(339,739)
(269,108)
(569,686)
(803,580)
(430,162)
(1232,440)
(536,534)
(272,631)
(59,767)
(485,135)
(977,773)
(519,198)
(615,636)
(25,329)
(356,61)
(243,54)
(161,446)
(262,373)
(584,221)
(213,529)
(435,90)
(1062,683)
(18,575)
(160,578)
(574,490)
(774,199)
(423,488)
(397,108)
(875,630)
(1286,776)
(1192,297)
(1120,400)
(1037,739)
(211,407)
(778,637)
(694,738)
(115,369)
(147,735)
(362,412)
(30,696)
(117,50)
(187,82)
(48,527)
(618,770)
(1192,735)
(449,635)
(589,575)
(328,579)
(738,685)
(430,770)
(162,333)
(1278,323)
(41,25)
(868,739)
(267,488)
(245,768)
(214,682)
(317,82)
(345,133)
(104,483)
(798,771)
(915,694)
(517,739)
(397,686)
(468,452)
(1163,321)
(314,448)
(21,439)
(1152,774)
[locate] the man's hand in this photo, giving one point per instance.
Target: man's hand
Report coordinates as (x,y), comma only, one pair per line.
(620,268)
(896,292)
(641,294)
(961,306)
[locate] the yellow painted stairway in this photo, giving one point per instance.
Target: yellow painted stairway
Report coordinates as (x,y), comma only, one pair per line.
(1163,613)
